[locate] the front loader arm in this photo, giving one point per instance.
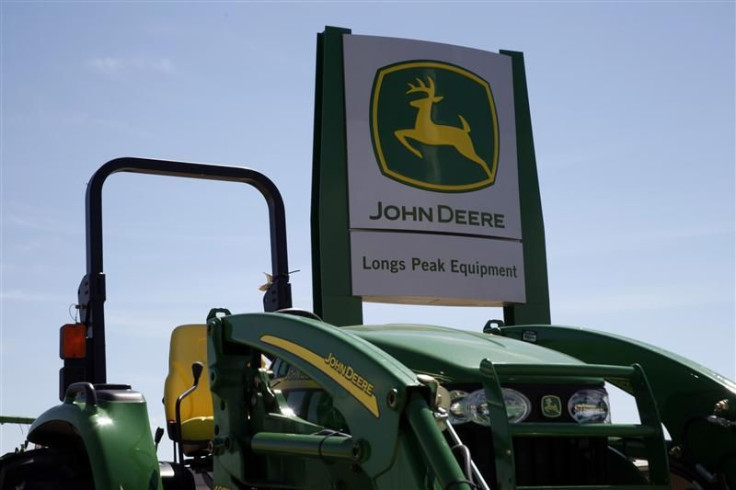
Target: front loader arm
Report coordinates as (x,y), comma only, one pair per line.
(375,393)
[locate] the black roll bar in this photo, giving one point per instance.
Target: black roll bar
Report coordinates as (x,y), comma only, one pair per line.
(91,293)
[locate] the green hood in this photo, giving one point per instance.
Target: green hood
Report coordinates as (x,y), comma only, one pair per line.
(453,355)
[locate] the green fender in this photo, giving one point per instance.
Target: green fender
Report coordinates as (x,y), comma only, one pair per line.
(115,432)
(686,392)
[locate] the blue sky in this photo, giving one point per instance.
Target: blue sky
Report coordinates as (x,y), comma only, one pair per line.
(633,112)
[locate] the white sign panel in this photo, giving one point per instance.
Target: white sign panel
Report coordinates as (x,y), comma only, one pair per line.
(432,174)
(431,138)
(436,269)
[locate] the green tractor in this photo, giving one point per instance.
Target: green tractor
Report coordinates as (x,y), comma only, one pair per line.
(284,400)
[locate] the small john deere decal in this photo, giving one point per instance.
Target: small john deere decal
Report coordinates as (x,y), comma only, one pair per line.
(551,406)
(434,126)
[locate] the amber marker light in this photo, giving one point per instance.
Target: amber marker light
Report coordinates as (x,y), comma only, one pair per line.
(73,341)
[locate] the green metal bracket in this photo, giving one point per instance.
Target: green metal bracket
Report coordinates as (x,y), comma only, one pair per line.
(649,417)
(501,431)
(371,389)
(433,445)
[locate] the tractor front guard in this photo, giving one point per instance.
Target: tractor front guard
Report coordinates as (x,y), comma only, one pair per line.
(696,404)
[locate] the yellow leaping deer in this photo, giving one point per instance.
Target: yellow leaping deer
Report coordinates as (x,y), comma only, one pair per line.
(430,133)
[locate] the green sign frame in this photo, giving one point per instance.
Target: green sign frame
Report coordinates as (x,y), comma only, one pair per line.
(331,276)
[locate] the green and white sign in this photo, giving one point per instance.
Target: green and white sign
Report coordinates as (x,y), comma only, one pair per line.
(432,173)
(431,141)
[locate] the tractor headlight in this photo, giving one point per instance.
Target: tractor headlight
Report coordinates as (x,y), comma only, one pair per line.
(473,407)
(518,406)
(457,413)
(589,407)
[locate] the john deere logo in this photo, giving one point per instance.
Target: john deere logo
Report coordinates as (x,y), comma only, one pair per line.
(434,126)
(551,406)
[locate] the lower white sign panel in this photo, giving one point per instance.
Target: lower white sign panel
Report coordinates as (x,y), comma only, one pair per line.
(395,267)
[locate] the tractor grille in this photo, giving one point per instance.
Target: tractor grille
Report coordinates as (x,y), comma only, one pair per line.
(547,461)
(560,461)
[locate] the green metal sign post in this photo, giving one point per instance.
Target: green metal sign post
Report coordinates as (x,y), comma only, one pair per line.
(536,309)
(330,235)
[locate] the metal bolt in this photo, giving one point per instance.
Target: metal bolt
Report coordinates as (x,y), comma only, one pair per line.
(722,407)
(217,446)
(357,451)
(392,399)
